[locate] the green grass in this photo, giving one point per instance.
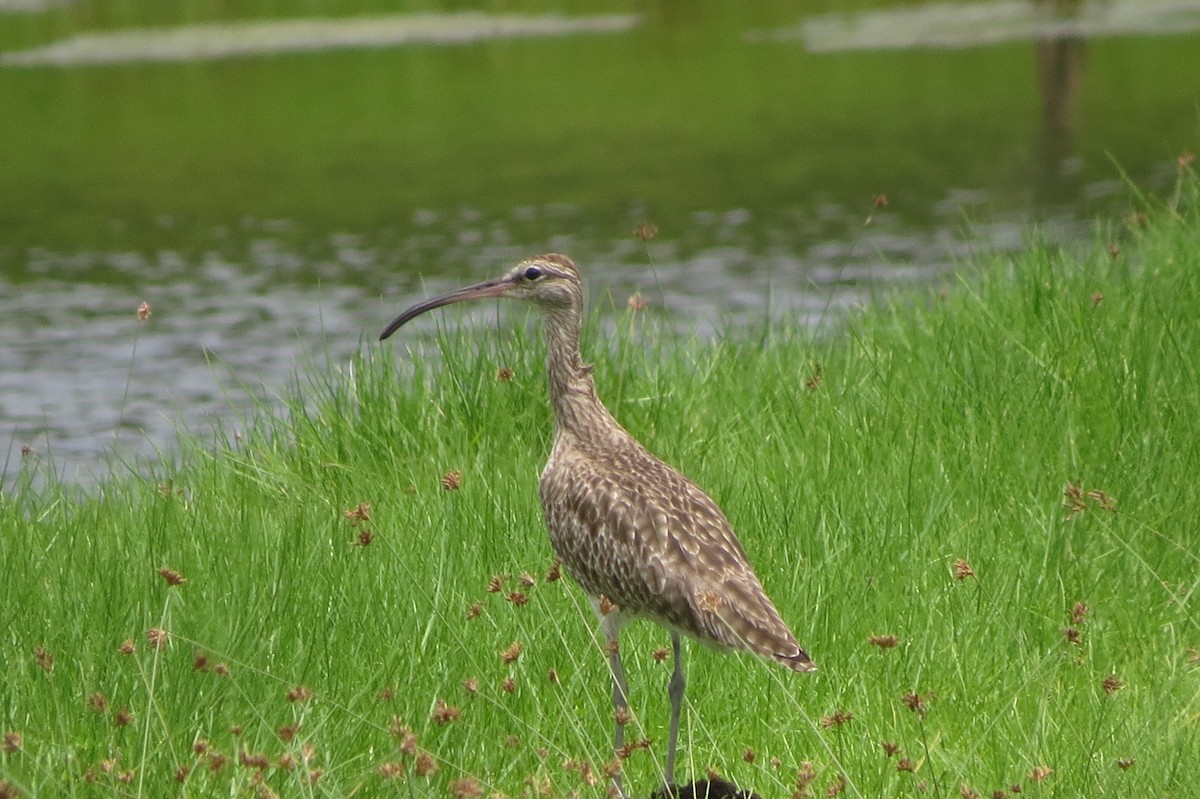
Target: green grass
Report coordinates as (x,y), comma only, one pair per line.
(944,428)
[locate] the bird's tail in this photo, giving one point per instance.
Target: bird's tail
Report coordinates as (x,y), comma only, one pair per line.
(799,661)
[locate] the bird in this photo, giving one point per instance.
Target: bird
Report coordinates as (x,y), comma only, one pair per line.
(642,540)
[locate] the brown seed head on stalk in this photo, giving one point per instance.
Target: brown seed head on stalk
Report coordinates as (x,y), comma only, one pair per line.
(474,611)
(554,572)
(466,788)
(511,654)
(1185,160)
(645,231)
(157,637)
(359,513)
(606,605)
(880,200)
(660,654)
(518,598)
(637,302)
(1040,773)
(1079,612)
(425,766)
(11,742)
(884,642)
(889,747)
(391,771)
(837,719)
(43,658)
(451,480)
(444,713)
(127,647)
(504,374)
(962,570)
(1126,763)
(1112,684)
(300,693)
(143,311)
(171,576)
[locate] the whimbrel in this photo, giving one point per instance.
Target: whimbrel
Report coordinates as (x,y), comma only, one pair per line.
(640,538)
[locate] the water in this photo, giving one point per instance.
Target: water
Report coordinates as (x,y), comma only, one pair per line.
(277,207)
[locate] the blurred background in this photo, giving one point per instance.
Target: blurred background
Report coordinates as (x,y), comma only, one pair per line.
(278,179)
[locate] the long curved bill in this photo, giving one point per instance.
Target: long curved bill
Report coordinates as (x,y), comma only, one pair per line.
(488,288)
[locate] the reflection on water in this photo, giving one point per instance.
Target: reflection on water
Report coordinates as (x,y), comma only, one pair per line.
(205,42)
(275,212)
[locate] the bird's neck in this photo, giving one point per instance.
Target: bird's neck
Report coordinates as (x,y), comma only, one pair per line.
(577,410)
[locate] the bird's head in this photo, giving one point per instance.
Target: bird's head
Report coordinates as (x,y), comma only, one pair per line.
(550,281)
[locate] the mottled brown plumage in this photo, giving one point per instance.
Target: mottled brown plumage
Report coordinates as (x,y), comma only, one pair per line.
(640,538)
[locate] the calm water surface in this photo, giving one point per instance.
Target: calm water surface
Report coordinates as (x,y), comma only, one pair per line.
(276,207)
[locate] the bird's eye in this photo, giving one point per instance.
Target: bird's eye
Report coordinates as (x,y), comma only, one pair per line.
(533,273)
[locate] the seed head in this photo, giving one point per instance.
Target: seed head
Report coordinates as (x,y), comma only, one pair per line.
(444,713)
(504,374)
(11,742)
(157,637)
(748,755)
(471,686)
(123,717)
(645,231)
(299,694)
(1079,612)
(98,702)
(26,450)
(391,771)
(509,685)
(127,647)
(43,658)
(660,654)
(1072,635)
(466,788)
(359,513)
(1097,298)
(837,719)
(606,605)
(905,764)
(962,570)
(474,611)
(171,576)
(511,654)
(495,585)
(637,302)
(364,539)
(1126,763)
(143,311)
(883,641)
(254,760)
(517,598)
(1040,773)
(287,732)
(1185,160)
(889,748)
(181,773)
(552,676)
(451,480)
(554,572)
(425,766)
(1112,684)
(1114,250)
(880,200)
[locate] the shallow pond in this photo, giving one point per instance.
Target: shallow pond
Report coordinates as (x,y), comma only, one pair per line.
(277,190)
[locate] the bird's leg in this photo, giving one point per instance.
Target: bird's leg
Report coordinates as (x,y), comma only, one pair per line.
(620,693)
(609,625)
(675,692)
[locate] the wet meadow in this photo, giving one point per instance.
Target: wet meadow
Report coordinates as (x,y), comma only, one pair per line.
(976,508)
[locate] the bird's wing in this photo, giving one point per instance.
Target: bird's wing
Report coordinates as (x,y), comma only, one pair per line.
(633,529)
